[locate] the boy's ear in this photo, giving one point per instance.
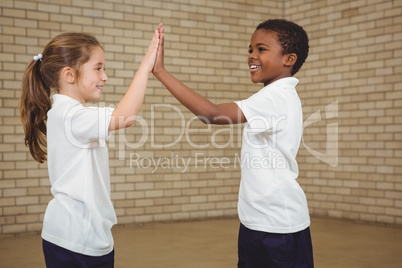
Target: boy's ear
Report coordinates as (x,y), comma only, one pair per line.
(290,59)
(68,75)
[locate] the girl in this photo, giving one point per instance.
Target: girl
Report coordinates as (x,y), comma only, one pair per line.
(78,220)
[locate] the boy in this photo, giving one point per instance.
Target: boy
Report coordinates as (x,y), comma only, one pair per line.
(274,229)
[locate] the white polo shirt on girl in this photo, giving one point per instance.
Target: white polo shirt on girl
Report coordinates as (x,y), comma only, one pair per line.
(270,199)
(81,214)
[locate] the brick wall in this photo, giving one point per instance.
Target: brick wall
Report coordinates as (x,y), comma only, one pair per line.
(353,168)
(168,166)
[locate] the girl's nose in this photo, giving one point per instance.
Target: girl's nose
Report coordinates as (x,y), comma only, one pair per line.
(104,76)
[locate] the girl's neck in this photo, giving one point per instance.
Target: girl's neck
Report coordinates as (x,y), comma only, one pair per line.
(72,94)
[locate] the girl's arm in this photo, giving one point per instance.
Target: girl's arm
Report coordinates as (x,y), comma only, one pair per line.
(126,111)
(208,112)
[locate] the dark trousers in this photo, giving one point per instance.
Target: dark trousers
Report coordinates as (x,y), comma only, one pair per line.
(58,257)
(267,250)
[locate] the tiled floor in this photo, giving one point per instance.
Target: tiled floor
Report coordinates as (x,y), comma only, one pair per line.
(213,244)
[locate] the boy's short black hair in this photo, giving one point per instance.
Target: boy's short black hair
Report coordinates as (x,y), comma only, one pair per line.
(292,38)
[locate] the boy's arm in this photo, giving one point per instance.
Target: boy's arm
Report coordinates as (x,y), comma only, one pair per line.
(208,112)
(126,111)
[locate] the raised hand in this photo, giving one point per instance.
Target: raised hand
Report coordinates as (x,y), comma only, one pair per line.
(125,113)
(159,63)
(150,56)
(209,113)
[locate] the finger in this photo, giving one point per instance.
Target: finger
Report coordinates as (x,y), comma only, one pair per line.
(155,38)
(160,26)
(156,34)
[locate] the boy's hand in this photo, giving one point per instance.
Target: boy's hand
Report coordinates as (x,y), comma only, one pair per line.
(150,56)
(159,63)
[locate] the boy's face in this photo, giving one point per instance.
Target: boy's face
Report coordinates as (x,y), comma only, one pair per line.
(266,61)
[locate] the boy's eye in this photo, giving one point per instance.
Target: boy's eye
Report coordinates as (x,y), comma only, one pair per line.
(259,49)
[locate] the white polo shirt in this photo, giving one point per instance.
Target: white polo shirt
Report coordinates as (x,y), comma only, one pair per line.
(81,214)
(270,199)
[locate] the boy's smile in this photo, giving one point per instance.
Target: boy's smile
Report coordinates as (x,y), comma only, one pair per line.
(254,68)
(266,61)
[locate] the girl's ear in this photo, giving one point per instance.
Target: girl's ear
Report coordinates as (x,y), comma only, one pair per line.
(68,75)
(290,59)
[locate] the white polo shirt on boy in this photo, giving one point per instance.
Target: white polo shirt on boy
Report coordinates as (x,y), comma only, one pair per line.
(81,215)
(270,199)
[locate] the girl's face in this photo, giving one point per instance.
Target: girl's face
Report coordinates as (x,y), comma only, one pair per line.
(266,61)
(92,77)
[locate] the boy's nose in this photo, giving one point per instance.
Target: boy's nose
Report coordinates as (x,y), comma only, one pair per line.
(251,56)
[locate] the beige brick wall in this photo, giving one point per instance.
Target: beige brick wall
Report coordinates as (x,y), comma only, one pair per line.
(352,76)
(354,71)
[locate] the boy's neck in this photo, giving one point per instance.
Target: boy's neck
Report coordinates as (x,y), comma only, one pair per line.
(278,78)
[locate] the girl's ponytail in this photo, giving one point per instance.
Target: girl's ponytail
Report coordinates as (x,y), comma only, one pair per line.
(34,104)
(42,76)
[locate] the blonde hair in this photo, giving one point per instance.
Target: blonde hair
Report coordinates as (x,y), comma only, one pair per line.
(41,77)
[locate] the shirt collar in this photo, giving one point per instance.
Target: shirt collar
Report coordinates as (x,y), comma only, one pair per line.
(59,98)
(283,82)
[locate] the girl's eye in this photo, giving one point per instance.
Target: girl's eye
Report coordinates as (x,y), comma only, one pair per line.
(261,49)
(250,51)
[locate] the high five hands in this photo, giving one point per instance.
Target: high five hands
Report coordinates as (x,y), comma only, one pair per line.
(159,63)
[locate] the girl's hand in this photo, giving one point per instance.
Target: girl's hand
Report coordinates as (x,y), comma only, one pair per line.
(159,64)
(150,56)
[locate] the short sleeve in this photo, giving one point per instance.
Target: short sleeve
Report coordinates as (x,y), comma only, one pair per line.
(86,126)
(263,111)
